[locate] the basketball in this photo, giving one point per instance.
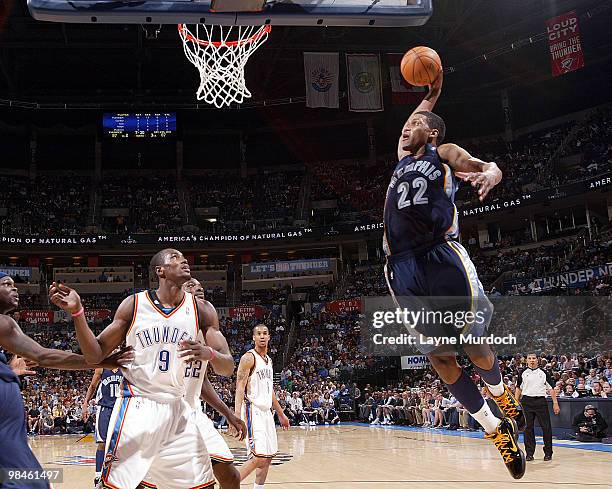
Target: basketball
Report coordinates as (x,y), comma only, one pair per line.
(421,66)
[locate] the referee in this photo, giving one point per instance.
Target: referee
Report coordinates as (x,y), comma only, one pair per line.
(533,384)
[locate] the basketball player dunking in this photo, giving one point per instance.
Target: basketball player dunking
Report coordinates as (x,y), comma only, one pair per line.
(152,428)
(15,452)
(198,387)
(105,385)
(254,398)
(425,261)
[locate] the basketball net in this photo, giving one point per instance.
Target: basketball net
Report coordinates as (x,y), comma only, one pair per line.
(220,53)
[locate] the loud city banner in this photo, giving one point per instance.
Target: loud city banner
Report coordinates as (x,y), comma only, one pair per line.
(564,43)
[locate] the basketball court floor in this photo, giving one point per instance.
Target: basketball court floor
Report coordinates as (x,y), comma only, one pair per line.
(357,456)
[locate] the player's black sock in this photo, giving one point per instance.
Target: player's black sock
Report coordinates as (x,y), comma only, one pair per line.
(492,378)
(466,392)
(99,461)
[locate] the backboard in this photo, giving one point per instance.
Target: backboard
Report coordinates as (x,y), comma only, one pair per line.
(372,13)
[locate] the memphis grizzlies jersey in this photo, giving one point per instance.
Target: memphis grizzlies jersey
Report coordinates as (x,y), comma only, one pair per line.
(261,382)
(419,207)
(109,388)
(157,372)
(194,378)
(6,372)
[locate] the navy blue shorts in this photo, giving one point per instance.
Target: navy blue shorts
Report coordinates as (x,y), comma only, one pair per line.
(443,279)
(103,415)
(15,452)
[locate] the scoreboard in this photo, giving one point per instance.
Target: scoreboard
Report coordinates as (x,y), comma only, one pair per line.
(139,125)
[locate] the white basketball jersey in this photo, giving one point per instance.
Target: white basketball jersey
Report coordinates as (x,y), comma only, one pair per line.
(261,382)
(194,378)
(157,372)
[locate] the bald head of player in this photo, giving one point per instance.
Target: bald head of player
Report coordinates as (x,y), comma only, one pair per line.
(9,297)
(171,268)
(261,336)
(193,286)
(420,129)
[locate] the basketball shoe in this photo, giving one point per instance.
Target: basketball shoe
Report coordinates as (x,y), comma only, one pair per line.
(509,405)
(505,439)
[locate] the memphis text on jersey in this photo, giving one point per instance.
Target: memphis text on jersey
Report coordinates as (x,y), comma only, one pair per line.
(427,168)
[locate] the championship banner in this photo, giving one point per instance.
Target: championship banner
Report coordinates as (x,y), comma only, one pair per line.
(321,76)
(351,305)
(564,43)
(402,92)
(412,362)
(36,316)
(364,82)
(247,312)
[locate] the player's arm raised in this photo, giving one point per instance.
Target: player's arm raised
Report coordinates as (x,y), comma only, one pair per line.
(13,339)
(91,390)
(210,396)
(481,174)
(247,362)
(94,349)
(429,102)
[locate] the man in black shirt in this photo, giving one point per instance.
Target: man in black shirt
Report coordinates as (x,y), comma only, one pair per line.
(590,426)
(33,420)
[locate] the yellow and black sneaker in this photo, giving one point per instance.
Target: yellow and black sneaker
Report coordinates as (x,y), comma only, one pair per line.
(505,440)
(509,405)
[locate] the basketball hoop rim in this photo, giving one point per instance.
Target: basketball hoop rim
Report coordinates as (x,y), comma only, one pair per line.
(187,36)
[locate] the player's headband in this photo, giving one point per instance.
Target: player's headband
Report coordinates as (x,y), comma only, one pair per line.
(2,275)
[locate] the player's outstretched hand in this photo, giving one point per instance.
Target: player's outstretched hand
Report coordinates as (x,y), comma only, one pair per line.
(190,350)
(284,421)
(121,358)
(483,181)
(22,366)
(237,427)
(65,298)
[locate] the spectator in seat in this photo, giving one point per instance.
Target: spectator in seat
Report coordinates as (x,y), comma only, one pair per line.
(34,421)
(590,426)
(330,414)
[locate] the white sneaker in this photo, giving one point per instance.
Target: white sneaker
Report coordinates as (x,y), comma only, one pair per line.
(375,421)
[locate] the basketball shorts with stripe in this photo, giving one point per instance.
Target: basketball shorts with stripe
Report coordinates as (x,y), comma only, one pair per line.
(442,279)
(217,448)
(261,438)
(103,415)
(159,439)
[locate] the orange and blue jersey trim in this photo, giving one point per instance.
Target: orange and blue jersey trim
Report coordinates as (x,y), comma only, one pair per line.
(116,436)
(249,423)
(126,389)
(201,486)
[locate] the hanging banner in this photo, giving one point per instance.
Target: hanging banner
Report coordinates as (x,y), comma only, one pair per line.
(564,43)
(36,316)
(247,312)
(364,82)
(323,264)
(350,305)
(90,315)
(411,362)
(402,92)
(321,76)
(23,272)
(572,279)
